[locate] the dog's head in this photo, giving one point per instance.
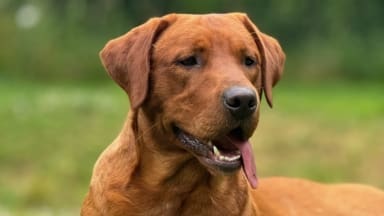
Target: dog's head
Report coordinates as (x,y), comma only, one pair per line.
(200,77)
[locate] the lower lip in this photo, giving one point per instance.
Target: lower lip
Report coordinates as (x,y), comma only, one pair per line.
(205,156)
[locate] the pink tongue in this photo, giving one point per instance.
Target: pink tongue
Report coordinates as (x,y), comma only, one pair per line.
(249,166)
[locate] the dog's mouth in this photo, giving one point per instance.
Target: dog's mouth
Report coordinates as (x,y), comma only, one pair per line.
(226,153)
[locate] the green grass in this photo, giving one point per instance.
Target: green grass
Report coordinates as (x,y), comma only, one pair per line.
(51,135)
(326,132)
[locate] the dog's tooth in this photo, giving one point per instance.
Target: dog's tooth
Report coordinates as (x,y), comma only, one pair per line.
(216,151)
(228,158)
(233,158)
(236,157)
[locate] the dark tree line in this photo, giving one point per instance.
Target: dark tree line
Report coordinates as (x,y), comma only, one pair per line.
(341,38)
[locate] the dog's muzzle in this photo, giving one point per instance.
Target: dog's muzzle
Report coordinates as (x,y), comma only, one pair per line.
(227,153)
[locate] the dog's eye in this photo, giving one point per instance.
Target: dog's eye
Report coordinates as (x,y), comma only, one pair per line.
(248,61)
(189,61)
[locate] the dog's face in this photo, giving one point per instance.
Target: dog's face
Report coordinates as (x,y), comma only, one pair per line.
(200,77)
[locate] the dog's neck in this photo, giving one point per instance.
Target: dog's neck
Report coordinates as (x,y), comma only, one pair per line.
(166,179)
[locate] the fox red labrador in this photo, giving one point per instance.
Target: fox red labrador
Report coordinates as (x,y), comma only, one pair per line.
(195,83)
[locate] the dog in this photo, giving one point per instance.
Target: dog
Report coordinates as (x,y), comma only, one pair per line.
(195,84)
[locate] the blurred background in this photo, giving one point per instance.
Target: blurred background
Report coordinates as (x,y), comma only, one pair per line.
(59,109)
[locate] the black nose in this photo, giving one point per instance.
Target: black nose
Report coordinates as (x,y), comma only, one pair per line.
(240,101)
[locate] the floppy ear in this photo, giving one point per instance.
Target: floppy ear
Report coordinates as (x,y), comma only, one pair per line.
(127,59)
(272,57)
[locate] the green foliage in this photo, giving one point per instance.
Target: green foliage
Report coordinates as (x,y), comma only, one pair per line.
(339,39)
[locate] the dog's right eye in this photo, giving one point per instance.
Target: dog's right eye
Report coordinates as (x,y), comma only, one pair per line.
(189,61)
(249,61)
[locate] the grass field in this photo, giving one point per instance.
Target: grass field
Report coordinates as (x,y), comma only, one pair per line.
(51,135)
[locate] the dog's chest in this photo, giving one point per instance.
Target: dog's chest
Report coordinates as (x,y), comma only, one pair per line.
(197,205)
